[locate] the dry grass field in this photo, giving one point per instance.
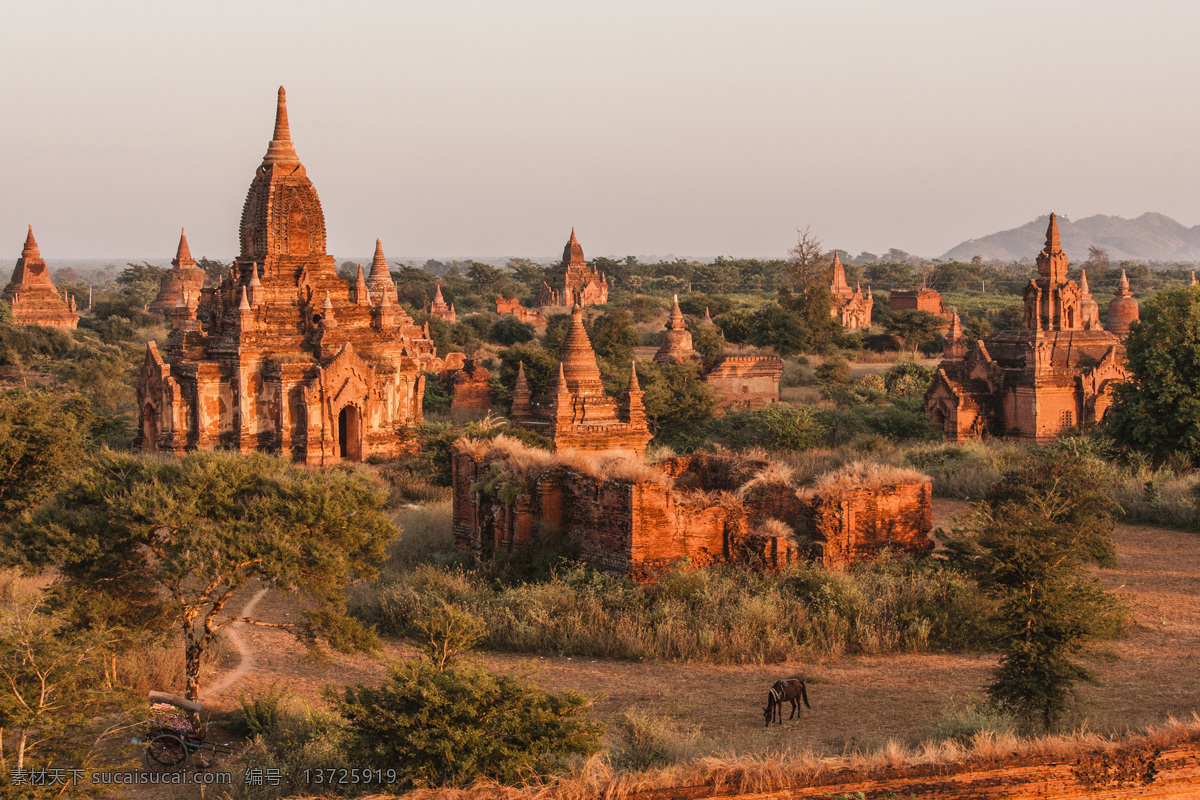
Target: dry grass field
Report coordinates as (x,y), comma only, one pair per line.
(858,703)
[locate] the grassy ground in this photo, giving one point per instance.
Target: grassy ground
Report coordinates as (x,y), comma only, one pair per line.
(859,703)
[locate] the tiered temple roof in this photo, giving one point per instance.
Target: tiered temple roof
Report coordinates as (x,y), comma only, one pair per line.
(849,305)
(576,412)
(582,285)
(32,295)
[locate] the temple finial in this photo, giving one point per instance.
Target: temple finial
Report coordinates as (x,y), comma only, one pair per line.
(31,245)
(633,381)
(1053,243)
(183,254)
(281,149)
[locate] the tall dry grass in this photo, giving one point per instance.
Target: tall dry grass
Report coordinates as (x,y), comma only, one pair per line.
(721,615)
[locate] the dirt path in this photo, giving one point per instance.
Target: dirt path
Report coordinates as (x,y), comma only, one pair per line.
(245,654)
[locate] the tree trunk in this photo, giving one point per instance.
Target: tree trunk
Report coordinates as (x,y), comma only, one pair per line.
(192,656)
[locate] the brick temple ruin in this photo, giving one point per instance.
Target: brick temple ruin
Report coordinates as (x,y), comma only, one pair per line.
(284,356)
(439,308)
(512,307)
(32,295)
(628,517)
(923,299)
(736,381)
(581,285)
(1056,372)
(849,305)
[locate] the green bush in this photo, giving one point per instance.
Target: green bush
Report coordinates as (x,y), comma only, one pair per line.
(261,710)
(452,727)
(835,370)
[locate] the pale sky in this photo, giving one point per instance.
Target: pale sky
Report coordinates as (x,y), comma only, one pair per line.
(483,129)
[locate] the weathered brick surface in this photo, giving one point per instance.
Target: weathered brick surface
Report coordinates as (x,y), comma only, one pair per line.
(923,299)
(849,304)
(849,526)
(581,285)
(512,307)
(469,385)
(181,285)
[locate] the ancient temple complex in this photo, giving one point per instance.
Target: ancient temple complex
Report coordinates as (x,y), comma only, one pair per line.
(736,381)
(849,305)
(183,282)
(576,412)
(1057,372)
(32,295)
(284,356)
(581,285)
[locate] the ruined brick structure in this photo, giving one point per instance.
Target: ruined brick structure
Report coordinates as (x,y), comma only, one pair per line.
(439,308)
(639,520)
(284,356)
(736,381)
(576,412)
(32,295)
(923,299)
(469,385)
(182,283)
(851,516)
(512,307)
(581,285)
(849,305)
(1057,372)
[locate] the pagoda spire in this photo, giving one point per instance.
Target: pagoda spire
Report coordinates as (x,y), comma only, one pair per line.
(1053,242)
(676,323)
(577,352)
(1123,286)
(31,246)
(183,255)
(437,297)
(839,274)
(521,405)
(361,295)
(281,150)
(1083,284)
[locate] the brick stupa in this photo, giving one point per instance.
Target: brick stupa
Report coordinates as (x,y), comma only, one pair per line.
(184,278)
(32,295)
(676,347)
(1056,373)
(284,356)
(576,412)
(441,309)
(581,285)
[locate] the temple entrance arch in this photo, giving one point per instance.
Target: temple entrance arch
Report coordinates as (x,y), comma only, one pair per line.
(149,429)
(350,434)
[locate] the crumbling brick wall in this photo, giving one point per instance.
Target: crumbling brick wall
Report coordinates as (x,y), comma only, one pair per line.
(848,526)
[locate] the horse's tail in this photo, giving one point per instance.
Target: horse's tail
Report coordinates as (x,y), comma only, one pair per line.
(804,695)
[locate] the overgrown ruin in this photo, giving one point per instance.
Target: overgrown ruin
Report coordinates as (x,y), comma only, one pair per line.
(631,517)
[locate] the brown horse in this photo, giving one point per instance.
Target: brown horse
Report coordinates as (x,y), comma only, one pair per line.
(781,692)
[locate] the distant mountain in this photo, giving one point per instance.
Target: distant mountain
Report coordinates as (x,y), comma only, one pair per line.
(1150,237)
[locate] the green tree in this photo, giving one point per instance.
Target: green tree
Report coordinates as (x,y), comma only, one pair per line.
(509,330)
(613,337)
(677,400)
(1026,545)
(42,441)
(1158,411)
(915,328)
(140,282)
(203,527)
(451,727)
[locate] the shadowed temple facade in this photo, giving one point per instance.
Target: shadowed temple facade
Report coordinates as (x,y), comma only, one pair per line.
(284,356)
(1058,371)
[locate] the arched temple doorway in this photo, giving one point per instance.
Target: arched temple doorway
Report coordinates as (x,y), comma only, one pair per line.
(350,434)
(150,429)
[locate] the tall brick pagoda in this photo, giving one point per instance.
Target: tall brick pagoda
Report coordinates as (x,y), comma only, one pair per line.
(576,412)
(582,285)
(284,356)
(849,305)
(1057,372)
(32,295)
(184,278)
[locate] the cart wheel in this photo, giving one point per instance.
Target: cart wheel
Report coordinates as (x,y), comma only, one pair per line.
(166,751)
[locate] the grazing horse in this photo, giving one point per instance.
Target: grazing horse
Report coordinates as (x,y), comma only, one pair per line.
(792,691)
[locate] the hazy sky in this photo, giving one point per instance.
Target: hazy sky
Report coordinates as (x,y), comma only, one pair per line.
(454,128)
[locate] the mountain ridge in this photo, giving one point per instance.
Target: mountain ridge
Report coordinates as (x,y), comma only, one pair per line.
(1150,237)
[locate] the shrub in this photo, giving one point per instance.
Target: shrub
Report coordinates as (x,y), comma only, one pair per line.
(260,710)
(908,380)
(835,370)
(452,727)
(509,330)
(649,741)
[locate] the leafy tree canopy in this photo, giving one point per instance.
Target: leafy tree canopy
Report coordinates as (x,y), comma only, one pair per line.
(202,527)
